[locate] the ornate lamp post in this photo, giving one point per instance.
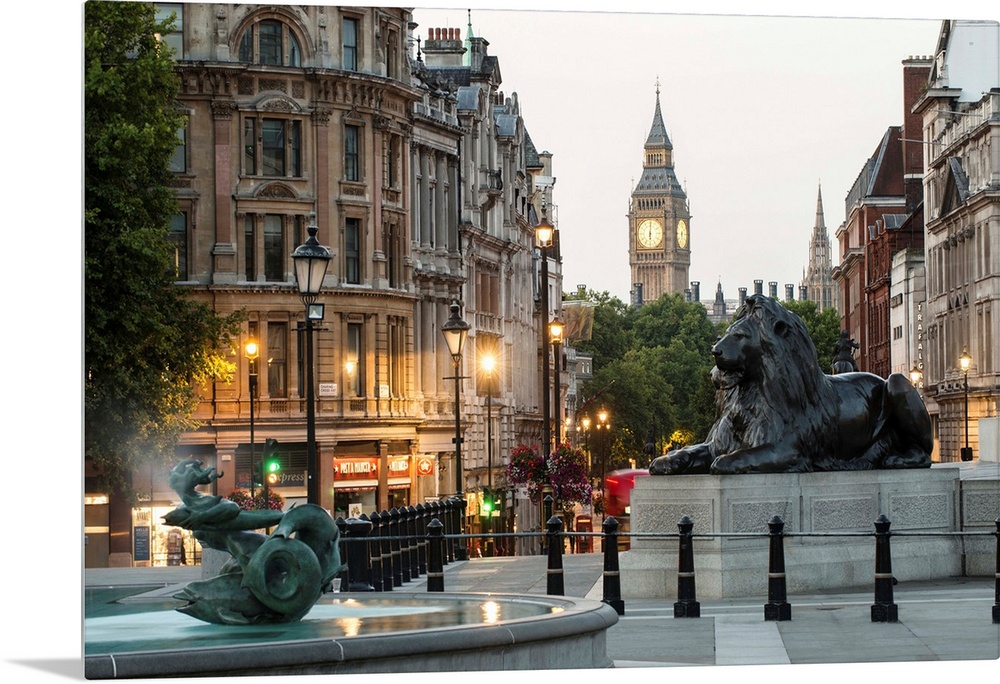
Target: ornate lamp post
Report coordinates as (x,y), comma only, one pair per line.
(252,351)
(543,237)
(489,365)
(916,375)
(603,426)
(455,331)
(965,363)
(556,335)
(311,260)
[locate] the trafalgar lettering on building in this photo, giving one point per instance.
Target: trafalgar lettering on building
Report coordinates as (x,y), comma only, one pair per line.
(920,342)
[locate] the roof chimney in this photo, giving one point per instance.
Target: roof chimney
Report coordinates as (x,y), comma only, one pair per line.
(443,48)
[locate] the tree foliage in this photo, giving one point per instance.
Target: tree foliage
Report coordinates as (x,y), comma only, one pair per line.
(145,344)
(652,368)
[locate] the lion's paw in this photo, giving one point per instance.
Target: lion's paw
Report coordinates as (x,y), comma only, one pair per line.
(666,465)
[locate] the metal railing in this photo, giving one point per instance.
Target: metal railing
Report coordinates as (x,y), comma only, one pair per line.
(390,548)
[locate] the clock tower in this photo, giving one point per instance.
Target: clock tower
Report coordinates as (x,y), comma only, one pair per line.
(659,244)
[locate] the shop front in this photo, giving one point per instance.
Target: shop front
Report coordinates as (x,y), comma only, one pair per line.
(356,482)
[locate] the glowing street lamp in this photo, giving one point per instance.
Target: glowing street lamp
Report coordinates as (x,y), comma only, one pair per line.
(252,351)
(311,261)
(455,331)
(965,363)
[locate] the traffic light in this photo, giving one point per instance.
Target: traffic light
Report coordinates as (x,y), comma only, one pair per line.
(486,508)
(269,464)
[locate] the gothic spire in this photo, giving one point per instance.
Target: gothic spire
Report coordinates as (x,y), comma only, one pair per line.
(658,131)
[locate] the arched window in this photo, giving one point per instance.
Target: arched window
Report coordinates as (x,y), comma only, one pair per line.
(270,42)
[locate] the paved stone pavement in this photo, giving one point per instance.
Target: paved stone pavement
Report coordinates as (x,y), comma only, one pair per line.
(943,620)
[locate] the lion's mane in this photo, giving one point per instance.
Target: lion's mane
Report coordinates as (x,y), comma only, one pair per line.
(784,391)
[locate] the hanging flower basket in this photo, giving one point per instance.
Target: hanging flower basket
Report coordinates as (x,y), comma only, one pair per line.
(565,472)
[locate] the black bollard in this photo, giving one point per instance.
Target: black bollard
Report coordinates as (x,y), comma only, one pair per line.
(358,560)
(344,575)
(375,549)
(435,555)
(403,530)
(384,532)
(421,535)
(996,604)
(554,584)
(686,605)
(397,568)
(448,519)
(777,608)
(412,541)
(883,610)
(461,545)
(612,578)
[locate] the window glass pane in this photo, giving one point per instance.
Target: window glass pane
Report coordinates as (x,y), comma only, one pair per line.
(273,147)
(178,240)
(352,265)
(249,263)
(174,39)
(354,356)
(246,46)
(294,54)
(249,146)
(277,367)
(295,147)
(351,170)
(269,47)
(351,44)
(178,159)
(274,253)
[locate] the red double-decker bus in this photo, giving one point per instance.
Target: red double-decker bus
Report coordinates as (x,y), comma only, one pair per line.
(618,486)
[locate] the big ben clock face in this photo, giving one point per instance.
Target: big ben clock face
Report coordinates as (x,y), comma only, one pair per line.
(682,234)
(649,233)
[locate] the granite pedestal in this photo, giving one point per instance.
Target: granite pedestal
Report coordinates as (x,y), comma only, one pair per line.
(845,503)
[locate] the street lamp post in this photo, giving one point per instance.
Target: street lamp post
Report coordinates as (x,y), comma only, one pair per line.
(252,351)
(965,362)
(556,334)
(603,427)
(916,375)
(311,261)
(543,236)
(455,331)
(489,363)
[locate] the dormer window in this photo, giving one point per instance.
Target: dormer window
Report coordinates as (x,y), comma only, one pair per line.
(271,43)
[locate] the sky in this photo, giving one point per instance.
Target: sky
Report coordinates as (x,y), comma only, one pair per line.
(762,111)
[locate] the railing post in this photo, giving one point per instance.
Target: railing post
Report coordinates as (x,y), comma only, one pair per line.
(375,550)
(385,530)
(612,578)
(397,568)
(447,519)
(421,539)
(686,605)
(435,555)
(554,574)
(412,541)
(359,567)
(883,610)
(345,572)
(996,582)
(403,530)
(777,607)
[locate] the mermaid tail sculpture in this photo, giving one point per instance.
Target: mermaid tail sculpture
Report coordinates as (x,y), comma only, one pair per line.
(274,578)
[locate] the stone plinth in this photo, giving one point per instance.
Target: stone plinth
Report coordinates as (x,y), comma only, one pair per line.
(923,500)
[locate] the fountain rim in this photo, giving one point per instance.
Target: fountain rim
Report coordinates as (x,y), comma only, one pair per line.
(401,651)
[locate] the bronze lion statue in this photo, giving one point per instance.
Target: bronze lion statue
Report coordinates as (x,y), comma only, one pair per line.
(779,413)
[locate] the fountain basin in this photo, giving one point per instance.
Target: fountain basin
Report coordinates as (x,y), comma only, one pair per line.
(356,633)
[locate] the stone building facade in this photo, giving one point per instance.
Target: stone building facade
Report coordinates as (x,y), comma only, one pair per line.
(422,190)
(960,113)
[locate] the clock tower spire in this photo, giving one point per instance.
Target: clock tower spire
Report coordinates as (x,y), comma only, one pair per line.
(658,220)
